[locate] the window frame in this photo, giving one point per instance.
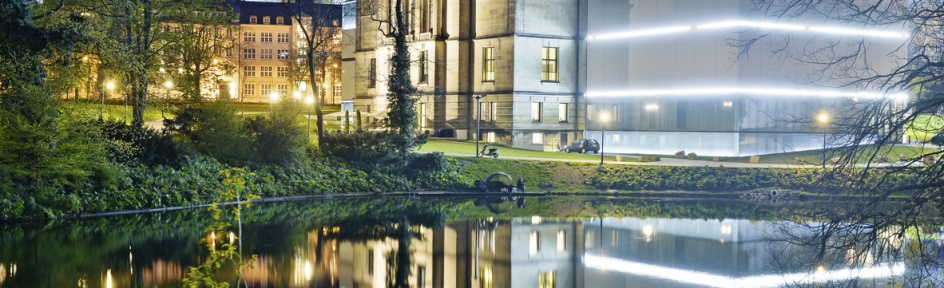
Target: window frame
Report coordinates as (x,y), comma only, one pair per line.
(372,73)
(537,111)
(488,64)
(549,65)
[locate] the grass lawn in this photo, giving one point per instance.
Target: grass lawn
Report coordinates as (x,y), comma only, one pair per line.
(468,147)
(812,156)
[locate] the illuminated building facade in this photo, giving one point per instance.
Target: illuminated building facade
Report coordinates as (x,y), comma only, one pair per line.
(268,54)
(669,75)
(672,76)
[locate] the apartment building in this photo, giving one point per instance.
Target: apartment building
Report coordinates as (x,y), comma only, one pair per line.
(270,53)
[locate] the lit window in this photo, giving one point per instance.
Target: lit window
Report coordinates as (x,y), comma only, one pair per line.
(537,138)
(549,64)
(279,20)
(493,110)
(535,243)
(547,280)
(616,138)
(265,20)
(337,91)
(536,111)
(563,111)
(488,64)
(561,240)
(485,277)
(283,54)
(252,19)
(490,138)
(422,116)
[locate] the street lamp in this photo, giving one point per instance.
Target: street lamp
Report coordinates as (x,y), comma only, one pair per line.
(310,100)
(273,98)
(603,118)
(823,119)
(168,85)
(110,86)
(478,122)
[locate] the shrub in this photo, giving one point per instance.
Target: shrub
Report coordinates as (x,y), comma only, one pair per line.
(214,129)
(278,139)
(362,149)
(126,144)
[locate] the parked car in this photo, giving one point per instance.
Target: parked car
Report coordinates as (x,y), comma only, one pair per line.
(583,145)
(938,139)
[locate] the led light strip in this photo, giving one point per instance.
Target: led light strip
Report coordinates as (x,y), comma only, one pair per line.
(751,24)
(759,91)
(879,270)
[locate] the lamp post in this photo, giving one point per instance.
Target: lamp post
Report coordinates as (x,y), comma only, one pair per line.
(110,86)
(310,100)
(603,118)
(167,85)
(478,122)
(823,119)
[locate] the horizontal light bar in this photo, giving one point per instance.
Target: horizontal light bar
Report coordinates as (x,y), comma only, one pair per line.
(758,91)
(752,24)
(881,270)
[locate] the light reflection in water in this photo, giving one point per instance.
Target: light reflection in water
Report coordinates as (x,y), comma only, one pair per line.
(883,270)
(109,282)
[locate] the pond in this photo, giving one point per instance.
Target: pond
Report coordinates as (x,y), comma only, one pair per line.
(477,242)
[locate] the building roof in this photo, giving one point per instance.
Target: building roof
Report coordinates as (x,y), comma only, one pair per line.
(246,9)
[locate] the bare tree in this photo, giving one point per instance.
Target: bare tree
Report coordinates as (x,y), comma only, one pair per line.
(870,130)
(320,26)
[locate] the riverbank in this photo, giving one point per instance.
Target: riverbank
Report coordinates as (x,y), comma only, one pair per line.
(200,183)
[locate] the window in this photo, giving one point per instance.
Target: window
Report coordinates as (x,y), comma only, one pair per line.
(561,240)
(249,71)
(485,277)
(265,54)
(265,20)
(249,89)
(249,53)
(265,71)
(488,64)
(492,111)
(229,52)
(590,112)
(265,36)
(537,138)
(283,89)
(422,116)
(282,71)
(535,243)
(483,107)
(616,114)
(562,112)
(279,20)
(490,138)
(549,64)
(421,276)
(265,89)
(283,37)
(370,261)
(424,76)
(547,280)
(283,54)
(249,37)
(372,73)
(337,91)
(252,19)
(536,111)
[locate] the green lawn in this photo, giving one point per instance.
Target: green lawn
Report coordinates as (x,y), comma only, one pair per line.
(468,147)
(811,157)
